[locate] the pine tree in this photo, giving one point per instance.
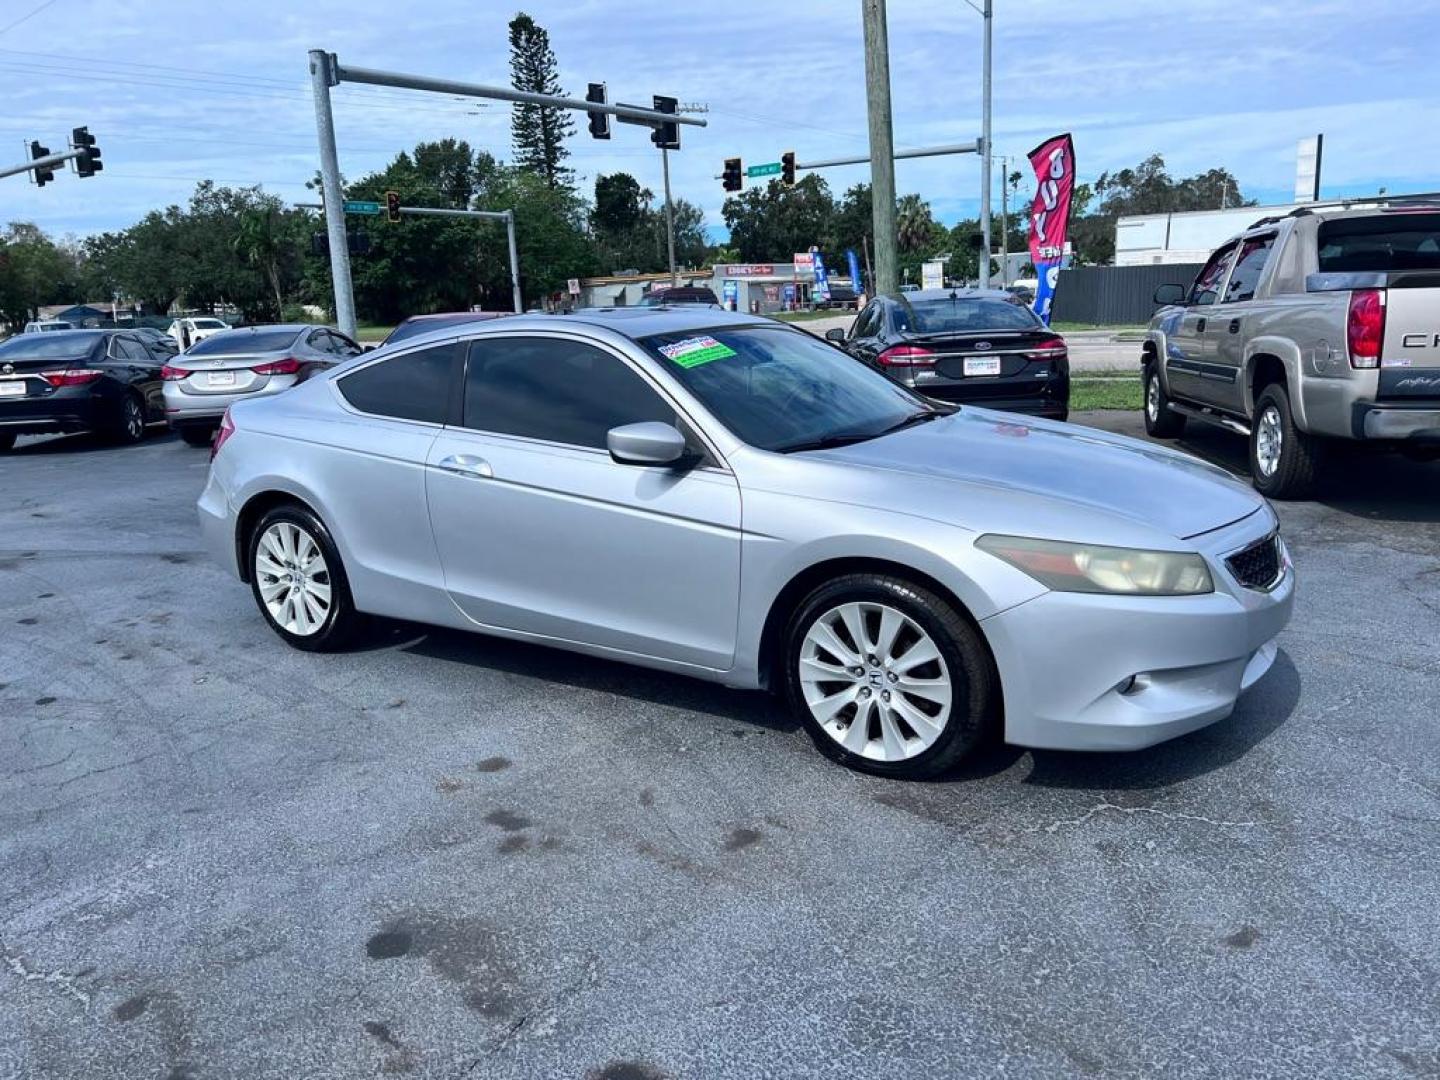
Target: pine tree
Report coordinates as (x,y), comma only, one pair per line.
(537,133)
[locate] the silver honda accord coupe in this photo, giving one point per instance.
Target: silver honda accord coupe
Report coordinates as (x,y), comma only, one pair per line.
(729,498)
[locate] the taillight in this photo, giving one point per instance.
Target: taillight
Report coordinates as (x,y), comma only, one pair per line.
(906,356)
(288,366)
(227,428)
(174,374)
(1365,327)
(1052,348)
(73,377)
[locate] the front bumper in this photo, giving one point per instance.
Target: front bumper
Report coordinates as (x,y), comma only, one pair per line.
(1066,659)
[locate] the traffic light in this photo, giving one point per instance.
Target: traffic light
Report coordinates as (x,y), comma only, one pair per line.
(88,163)
(392,206)
(976,241)
(599,122)
(42,176)
(666,136)
(787,168)
(319,244)
(733,176)
(358,243)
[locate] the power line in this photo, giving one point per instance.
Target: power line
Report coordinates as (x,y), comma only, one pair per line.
(26,17)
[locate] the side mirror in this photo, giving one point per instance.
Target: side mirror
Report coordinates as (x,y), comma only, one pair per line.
(648,443)
(1170,294)
(836,334)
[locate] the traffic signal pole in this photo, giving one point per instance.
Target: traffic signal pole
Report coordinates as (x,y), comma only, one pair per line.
(322,78)
(882,146)
(669,217)
(41,163)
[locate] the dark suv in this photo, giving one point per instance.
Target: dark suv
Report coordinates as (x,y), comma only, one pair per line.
(977,347)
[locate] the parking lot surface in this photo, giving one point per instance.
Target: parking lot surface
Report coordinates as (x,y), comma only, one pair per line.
(444,855)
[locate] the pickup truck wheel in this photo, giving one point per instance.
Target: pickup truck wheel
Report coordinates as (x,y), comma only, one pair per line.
(1282,457)
(1161,422)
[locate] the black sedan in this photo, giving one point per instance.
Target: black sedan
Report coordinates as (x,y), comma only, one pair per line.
(106,381)
(973,346)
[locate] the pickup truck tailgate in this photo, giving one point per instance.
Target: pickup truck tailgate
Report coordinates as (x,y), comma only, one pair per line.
(1410,362)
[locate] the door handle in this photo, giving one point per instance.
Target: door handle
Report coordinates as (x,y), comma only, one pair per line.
(1234,326)
(467,465)
(1200,327)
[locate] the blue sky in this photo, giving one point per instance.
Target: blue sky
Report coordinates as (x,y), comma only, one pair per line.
(178,91)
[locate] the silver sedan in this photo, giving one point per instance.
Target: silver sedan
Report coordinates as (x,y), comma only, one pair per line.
(228,365)
(736,500)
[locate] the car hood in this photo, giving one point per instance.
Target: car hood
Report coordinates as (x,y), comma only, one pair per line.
(1062,464)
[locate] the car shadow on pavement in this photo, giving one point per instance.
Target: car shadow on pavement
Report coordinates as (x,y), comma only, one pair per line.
(84,443)
(588,673)
(1260,711)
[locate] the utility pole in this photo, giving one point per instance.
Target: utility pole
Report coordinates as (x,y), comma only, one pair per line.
(882,145)
(1004,222)
(322,77)
(985,153)
(669,217)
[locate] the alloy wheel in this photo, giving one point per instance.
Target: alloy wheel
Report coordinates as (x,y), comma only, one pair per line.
(1269,441)
(134,420)
(875,681)
(1152,397)
(293,578)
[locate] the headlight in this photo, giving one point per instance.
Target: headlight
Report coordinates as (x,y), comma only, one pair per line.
(1090,568)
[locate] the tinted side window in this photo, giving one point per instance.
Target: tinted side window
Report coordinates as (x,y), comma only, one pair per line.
(415,386)
(559,391)
(1248,266)
(341,345)
(1207,286)
(133,350)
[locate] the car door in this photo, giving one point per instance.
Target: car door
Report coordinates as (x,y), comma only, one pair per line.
(132,363)
(1237,303)
(1186,361)
(865,339)
(541,532)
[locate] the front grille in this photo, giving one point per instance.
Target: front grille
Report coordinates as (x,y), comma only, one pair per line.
(1258,566)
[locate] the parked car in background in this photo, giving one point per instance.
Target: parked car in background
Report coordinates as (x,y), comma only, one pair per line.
(1023,293)
(256,361)
(46,326)
(188,331)
(909,286)
(157,339)
(979,347)
(423,324)
(105,381)
(1305,332)
(916,578)
(681,296)
(841,296)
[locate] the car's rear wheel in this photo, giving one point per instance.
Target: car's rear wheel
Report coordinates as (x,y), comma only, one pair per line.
(888,678)
(198,434)
(1283,458)
(299,582)
(1161,422)
(129,423)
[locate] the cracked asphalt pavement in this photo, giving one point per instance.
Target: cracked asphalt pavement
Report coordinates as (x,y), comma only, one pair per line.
(449,856)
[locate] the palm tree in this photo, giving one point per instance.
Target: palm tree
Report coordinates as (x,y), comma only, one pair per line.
(258,245)
(913,224)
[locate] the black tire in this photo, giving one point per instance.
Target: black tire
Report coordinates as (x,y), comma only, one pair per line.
(973,718)
(1292,476)
(341,624)
(128,426)
(7,441)
(197,434)
(1161,422)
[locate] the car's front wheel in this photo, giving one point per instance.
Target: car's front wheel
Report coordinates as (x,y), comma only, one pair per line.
(1161,422)
(888,678)
(299,582)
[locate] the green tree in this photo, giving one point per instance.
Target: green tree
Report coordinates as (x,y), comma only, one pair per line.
(537,133)
(776,221)
(34,271)
(914,226)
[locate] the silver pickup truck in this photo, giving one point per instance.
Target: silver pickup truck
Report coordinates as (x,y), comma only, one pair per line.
(1320,326)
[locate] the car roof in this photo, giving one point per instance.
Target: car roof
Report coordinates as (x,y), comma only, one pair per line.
(630,322)
(959,294)
(294,328)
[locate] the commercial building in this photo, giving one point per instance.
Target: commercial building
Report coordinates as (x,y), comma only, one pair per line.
(757,287)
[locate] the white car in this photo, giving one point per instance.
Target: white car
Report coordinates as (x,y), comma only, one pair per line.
(44,326)
(188,331)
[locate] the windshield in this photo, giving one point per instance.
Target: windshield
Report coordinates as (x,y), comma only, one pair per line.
(48,346)
(782,389)
(963,315)
(1384,242)
(246,341)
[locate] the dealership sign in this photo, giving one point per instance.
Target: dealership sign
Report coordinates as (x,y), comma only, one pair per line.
(750,270)
(1054,165)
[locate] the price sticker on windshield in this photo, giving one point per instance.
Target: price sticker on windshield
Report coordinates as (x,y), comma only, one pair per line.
(692,352)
